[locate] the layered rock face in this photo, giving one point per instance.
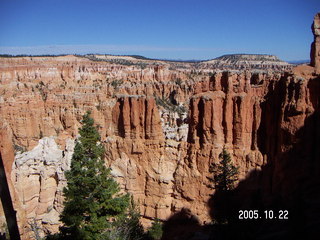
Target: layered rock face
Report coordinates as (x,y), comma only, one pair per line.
(315,47)
(137,117)
(228,115)
(49,95)
(46,97)
(38,176)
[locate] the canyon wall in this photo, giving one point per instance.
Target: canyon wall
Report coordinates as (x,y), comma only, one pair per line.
(161,128)
(42,102)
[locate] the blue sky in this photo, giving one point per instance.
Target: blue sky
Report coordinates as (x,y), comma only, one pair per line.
(172,29)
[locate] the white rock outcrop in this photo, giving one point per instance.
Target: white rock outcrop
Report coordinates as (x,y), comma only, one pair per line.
(38,176)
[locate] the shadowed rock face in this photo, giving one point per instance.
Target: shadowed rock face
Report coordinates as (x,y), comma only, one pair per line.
(161,128)
(315,46)
(137,117)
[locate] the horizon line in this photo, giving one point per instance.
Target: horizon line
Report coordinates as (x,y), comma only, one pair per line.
(125,50)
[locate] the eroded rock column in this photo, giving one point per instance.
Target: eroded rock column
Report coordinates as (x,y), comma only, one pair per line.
(315,47)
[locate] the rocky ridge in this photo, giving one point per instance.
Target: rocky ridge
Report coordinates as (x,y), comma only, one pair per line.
(249,62)
(256,62)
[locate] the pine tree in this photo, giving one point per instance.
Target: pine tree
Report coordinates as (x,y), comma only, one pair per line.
(225,174)
(127,226)
(155,232)
(92,195)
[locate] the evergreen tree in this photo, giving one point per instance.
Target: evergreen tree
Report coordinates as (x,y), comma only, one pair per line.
(225,174)
(155,232)
(127,226)
(92,195)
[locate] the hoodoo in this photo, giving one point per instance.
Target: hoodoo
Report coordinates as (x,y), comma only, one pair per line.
(315,47)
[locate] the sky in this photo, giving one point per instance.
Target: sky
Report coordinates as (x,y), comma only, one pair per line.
(166,29)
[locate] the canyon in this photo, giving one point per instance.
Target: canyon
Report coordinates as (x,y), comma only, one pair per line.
(162,125)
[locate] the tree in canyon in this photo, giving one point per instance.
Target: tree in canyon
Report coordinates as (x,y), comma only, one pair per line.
(155,232)
(224,177)
(92,196)
(225,174)
(127,226)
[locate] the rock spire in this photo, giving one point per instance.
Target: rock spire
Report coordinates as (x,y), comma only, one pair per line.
(315,47)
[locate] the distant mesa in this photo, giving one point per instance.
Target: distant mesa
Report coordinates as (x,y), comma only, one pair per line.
(249,57)
(249,61)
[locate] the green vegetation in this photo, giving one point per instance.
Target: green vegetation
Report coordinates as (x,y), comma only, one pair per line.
(225,174)
(92,196)
(252,57)
(178,81)
(127,225)
(155,232)
(121,61)
(18,148)
(168,105)
(42,89)
(29,55)
(116,83)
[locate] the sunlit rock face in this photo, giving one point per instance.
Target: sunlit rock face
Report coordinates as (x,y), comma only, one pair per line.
(38,178)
